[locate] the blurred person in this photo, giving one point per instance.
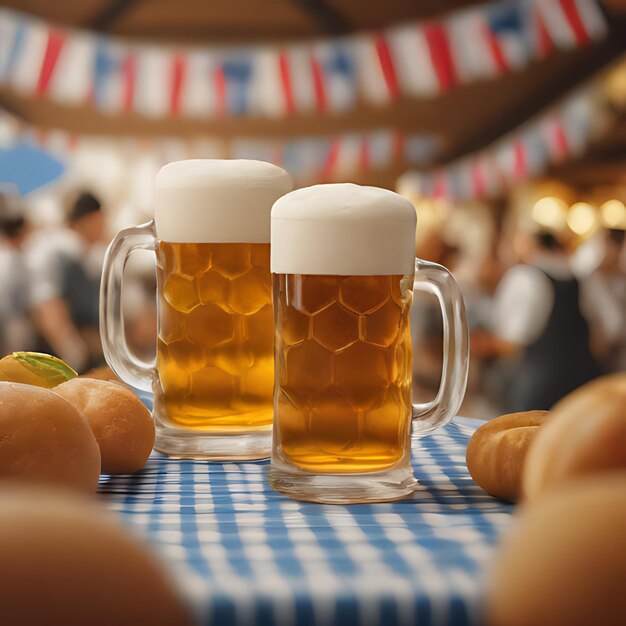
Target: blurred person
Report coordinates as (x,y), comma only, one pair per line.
(538,319)
(604,293)
(478,286)
(65,267)
(16,330)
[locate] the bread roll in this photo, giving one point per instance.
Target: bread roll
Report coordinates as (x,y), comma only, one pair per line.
(586,434)
(564,561)
(65,560)
(496,452)
(43,438)
(121,424)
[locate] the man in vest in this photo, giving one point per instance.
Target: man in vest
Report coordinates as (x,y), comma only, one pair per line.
(538,316)
(65,268)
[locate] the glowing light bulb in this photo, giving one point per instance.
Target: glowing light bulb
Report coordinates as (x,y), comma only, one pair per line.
(550,212)
(613,213)
(582,219)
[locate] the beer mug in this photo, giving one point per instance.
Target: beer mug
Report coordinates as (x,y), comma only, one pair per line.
(214,371)
(344,270)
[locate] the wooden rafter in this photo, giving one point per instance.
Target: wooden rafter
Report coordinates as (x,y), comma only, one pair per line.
(330,21)
(112,12)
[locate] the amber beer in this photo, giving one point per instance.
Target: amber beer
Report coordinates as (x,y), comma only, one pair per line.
(344,390)
(215,349)
(343,273)
(213,375)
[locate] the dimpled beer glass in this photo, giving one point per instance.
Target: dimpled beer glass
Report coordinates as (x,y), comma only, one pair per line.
(214,372)
(344,270)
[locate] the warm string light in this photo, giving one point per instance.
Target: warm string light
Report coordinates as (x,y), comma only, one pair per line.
(550,212)
(582,219)
(613,214)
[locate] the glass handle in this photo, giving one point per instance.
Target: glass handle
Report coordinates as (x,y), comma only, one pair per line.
(438,281)
(126,365)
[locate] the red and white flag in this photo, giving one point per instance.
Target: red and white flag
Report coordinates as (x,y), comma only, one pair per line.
(198,98)
(27,67)
(285,71)
(302,78)
(571,23)
(54,46)
(414,68)
(372,79)
(380,149)
(490,175)
(115,85)
(554,137)
(10,26)
(267,89)
(593,18)
(152,92)
(71,81)
(535,150)
(348,156)
(334,76)
(505,37)
(178,75)
(470,44)
(510,158)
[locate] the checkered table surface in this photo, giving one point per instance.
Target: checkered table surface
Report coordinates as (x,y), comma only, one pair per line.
(242,554)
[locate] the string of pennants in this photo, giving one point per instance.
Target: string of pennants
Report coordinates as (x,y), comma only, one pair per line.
(561,133)
(418,59)
(557,134)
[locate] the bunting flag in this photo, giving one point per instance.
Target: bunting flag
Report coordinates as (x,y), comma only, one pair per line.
(418,59)
(561,132)
(199,95)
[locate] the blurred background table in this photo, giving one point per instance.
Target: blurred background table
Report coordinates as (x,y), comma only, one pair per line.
(244,554)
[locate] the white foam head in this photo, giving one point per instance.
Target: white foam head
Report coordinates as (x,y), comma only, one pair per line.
(343,230)
(217,201)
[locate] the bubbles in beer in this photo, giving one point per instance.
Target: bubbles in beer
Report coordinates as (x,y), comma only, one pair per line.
(215,345)
(344,366)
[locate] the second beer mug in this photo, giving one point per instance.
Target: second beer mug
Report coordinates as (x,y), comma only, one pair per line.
(214,370)
(344,270)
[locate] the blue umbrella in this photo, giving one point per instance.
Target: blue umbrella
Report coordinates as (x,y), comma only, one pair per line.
(28,167)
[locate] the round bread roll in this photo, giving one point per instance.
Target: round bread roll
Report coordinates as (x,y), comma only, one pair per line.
(586,434)
(64,560)
(562,563)
(121,424)
(43,438)
(495,454)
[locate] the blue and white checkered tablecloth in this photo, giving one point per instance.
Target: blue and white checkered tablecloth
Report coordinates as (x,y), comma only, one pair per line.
(243,554)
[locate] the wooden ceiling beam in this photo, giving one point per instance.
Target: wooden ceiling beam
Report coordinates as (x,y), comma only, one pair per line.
(110,14)
(330,21)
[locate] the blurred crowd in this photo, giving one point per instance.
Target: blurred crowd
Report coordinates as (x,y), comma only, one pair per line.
(50,283)
(541,321)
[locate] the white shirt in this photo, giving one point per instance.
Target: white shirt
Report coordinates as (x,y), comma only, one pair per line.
(605,304)
(44,253)
(524,299)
